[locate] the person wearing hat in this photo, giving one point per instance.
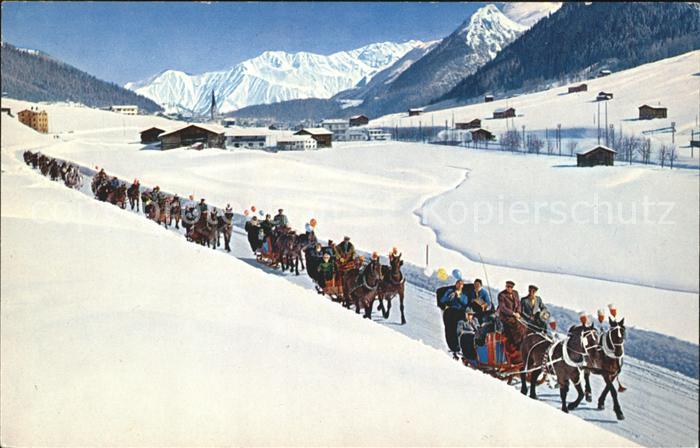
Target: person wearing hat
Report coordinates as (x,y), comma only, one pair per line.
(601,321)
(509,314)
(466,332)
(533,309)
(345,251)
(325,270)
(252,228)
(584,322)
(481,302)
(453,303)
(280,219)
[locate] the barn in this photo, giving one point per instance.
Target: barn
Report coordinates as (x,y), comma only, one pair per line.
(150,135)
(504,113)
(481,135)
(474,124)
(647,112)
(415,111)
(323,136)
(210,137)
(359,120)
(578,88)
(598,155)
(488,98)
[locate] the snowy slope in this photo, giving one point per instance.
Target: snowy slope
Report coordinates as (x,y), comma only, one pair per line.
(672,83)
(383,185)
(94,353)
(272,77)
(529,13)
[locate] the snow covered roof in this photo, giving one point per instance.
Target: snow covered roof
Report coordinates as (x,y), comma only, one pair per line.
(651,107)
(355,117)
(207,127)
(335,121)
(503,109)
(316,131)
(294,138)
(252,131)
(605,148)
(417,109)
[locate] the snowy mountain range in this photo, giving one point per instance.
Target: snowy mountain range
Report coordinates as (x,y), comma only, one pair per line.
(428,71)
(276,76)
(272,77)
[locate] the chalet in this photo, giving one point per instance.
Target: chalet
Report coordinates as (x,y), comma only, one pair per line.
(323,137)
(210,136)
(598,155)
(578,88)
(358,120)
(296,143)
(150,135)
(647,112)
(604,96)
(35,119)
(415,111)
(482,135)
(125,110)
(604,72)
(504,113)
(488,98)
(474,124)
(228,122)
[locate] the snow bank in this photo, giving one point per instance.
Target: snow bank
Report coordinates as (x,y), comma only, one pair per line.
(117,332)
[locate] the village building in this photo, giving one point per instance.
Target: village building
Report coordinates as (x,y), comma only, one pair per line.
(578,88)
(359,120)
(125,110)
(296,143)
(488,98)
(504,112)
(378,134)
(228,122)
(6,110)
(598,155)
(482,135)
(35,119)
(337,126)
(604,72)
(415,111)
(647,112)
(151,134)
(210,136)
(604,96)
(474,124)
(323,137)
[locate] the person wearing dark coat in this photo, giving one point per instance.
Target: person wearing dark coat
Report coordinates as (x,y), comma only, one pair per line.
(252,228)
(325,270)
(466,332)
(533,308)
(509,313)
(453,303)
(313,260)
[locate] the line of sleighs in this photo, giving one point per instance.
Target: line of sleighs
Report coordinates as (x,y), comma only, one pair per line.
(513,341)
(501,343)
(55,169)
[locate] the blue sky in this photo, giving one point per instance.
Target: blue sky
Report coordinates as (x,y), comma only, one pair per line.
(121,41)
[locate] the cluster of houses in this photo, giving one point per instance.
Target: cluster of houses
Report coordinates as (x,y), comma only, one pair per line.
(206,135)
(355,128)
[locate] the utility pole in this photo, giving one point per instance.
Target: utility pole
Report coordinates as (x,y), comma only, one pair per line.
(559,137)
(606,123)
(599,122)
(673,132)
(524,148)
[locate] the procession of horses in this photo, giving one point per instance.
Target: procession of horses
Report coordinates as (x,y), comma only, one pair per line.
(514,341)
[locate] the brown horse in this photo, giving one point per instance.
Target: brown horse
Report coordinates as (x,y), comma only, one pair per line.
(133,194)
(567,358)
(606,361)
(533,349)
(28,155)
(44,165)
(117,196)
(288,247)
(164,210)
(392,284)
(175,212)
(54,169)
(360,286)
(202,232)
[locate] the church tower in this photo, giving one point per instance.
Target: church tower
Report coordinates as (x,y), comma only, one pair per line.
(213,105)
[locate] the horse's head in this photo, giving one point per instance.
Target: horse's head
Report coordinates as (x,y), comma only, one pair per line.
(396,263)
(615,337)
(584,338)
(375,269)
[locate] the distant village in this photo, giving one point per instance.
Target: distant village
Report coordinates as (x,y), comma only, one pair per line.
(226,133)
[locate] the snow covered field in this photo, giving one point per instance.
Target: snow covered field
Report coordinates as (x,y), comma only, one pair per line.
(673,83)
(374,193)
(116,332)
